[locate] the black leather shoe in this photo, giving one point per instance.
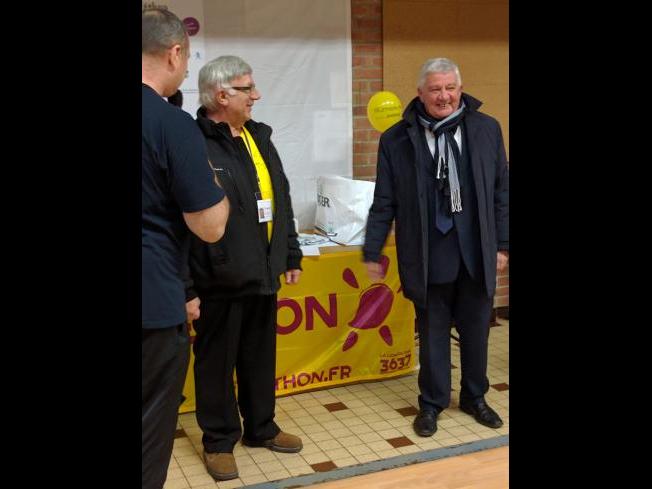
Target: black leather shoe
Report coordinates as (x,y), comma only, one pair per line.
(483,414)
(425,423)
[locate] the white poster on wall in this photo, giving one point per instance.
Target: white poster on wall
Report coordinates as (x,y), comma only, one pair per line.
(300,52)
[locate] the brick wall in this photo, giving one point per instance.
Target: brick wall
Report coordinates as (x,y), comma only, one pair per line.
(367,54)
(501,298)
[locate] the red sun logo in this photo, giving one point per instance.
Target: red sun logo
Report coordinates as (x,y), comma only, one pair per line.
(375,305)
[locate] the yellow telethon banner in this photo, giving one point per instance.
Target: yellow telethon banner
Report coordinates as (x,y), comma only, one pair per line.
(338,327)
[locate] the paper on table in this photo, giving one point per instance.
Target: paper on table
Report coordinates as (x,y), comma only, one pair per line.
(310,243)
(310,250)
(312,239)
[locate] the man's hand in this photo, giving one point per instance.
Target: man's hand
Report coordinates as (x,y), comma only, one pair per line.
(374,270)
(292,276)
(501,261)
(192,309)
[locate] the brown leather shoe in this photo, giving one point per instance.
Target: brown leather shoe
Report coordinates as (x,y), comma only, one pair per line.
(283,442)
(221,466)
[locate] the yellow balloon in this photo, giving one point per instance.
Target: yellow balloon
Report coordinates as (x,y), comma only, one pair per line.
(384,110)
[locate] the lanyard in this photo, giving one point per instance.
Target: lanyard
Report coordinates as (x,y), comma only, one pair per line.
(259,194)
(246,140)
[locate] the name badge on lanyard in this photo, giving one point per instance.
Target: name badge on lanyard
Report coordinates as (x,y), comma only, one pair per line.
(264,210)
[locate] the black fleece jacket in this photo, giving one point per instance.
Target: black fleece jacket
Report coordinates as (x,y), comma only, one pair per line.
(243,262)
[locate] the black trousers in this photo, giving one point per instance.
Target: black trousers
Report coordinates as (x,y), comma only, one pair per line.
(235,334)
(466,301)
(165,355)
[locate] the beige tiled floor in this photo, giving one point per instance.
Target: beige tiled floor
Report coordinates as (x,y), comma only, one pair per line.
(367,428)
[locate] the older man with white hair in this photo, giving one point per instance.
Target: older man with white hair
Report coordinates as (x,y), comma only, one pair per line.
(442,175)
(237,279)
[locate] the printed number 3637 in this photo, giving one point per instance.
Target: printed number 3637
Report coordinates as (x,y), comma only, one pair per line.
(398,363)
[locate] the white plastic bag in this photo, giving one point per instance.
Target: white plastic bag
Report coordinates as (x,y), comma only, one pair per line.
(342,208)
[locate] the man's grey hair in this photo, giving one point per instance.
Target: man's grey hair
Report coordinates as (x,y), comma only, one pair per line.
(162,30)
(438,65)
(219,73)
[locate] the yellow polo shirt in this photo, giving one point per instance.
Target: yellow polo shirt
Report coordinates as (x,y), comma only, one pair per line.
(264,181)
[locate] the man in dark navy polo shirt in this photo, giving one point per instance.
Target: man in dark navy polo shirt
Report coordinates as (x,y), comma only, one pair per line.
(179,192)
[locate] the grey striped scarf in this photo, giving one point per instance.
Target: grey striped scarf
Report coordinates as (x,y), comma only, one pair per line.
(446,150)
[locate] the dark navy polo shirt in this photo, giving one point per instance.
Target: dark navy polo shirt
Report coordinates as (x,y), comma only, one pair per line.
(177,178)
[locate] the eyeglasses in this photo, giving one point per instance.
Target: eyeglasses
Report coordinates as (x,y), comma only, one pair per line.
(248,90)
